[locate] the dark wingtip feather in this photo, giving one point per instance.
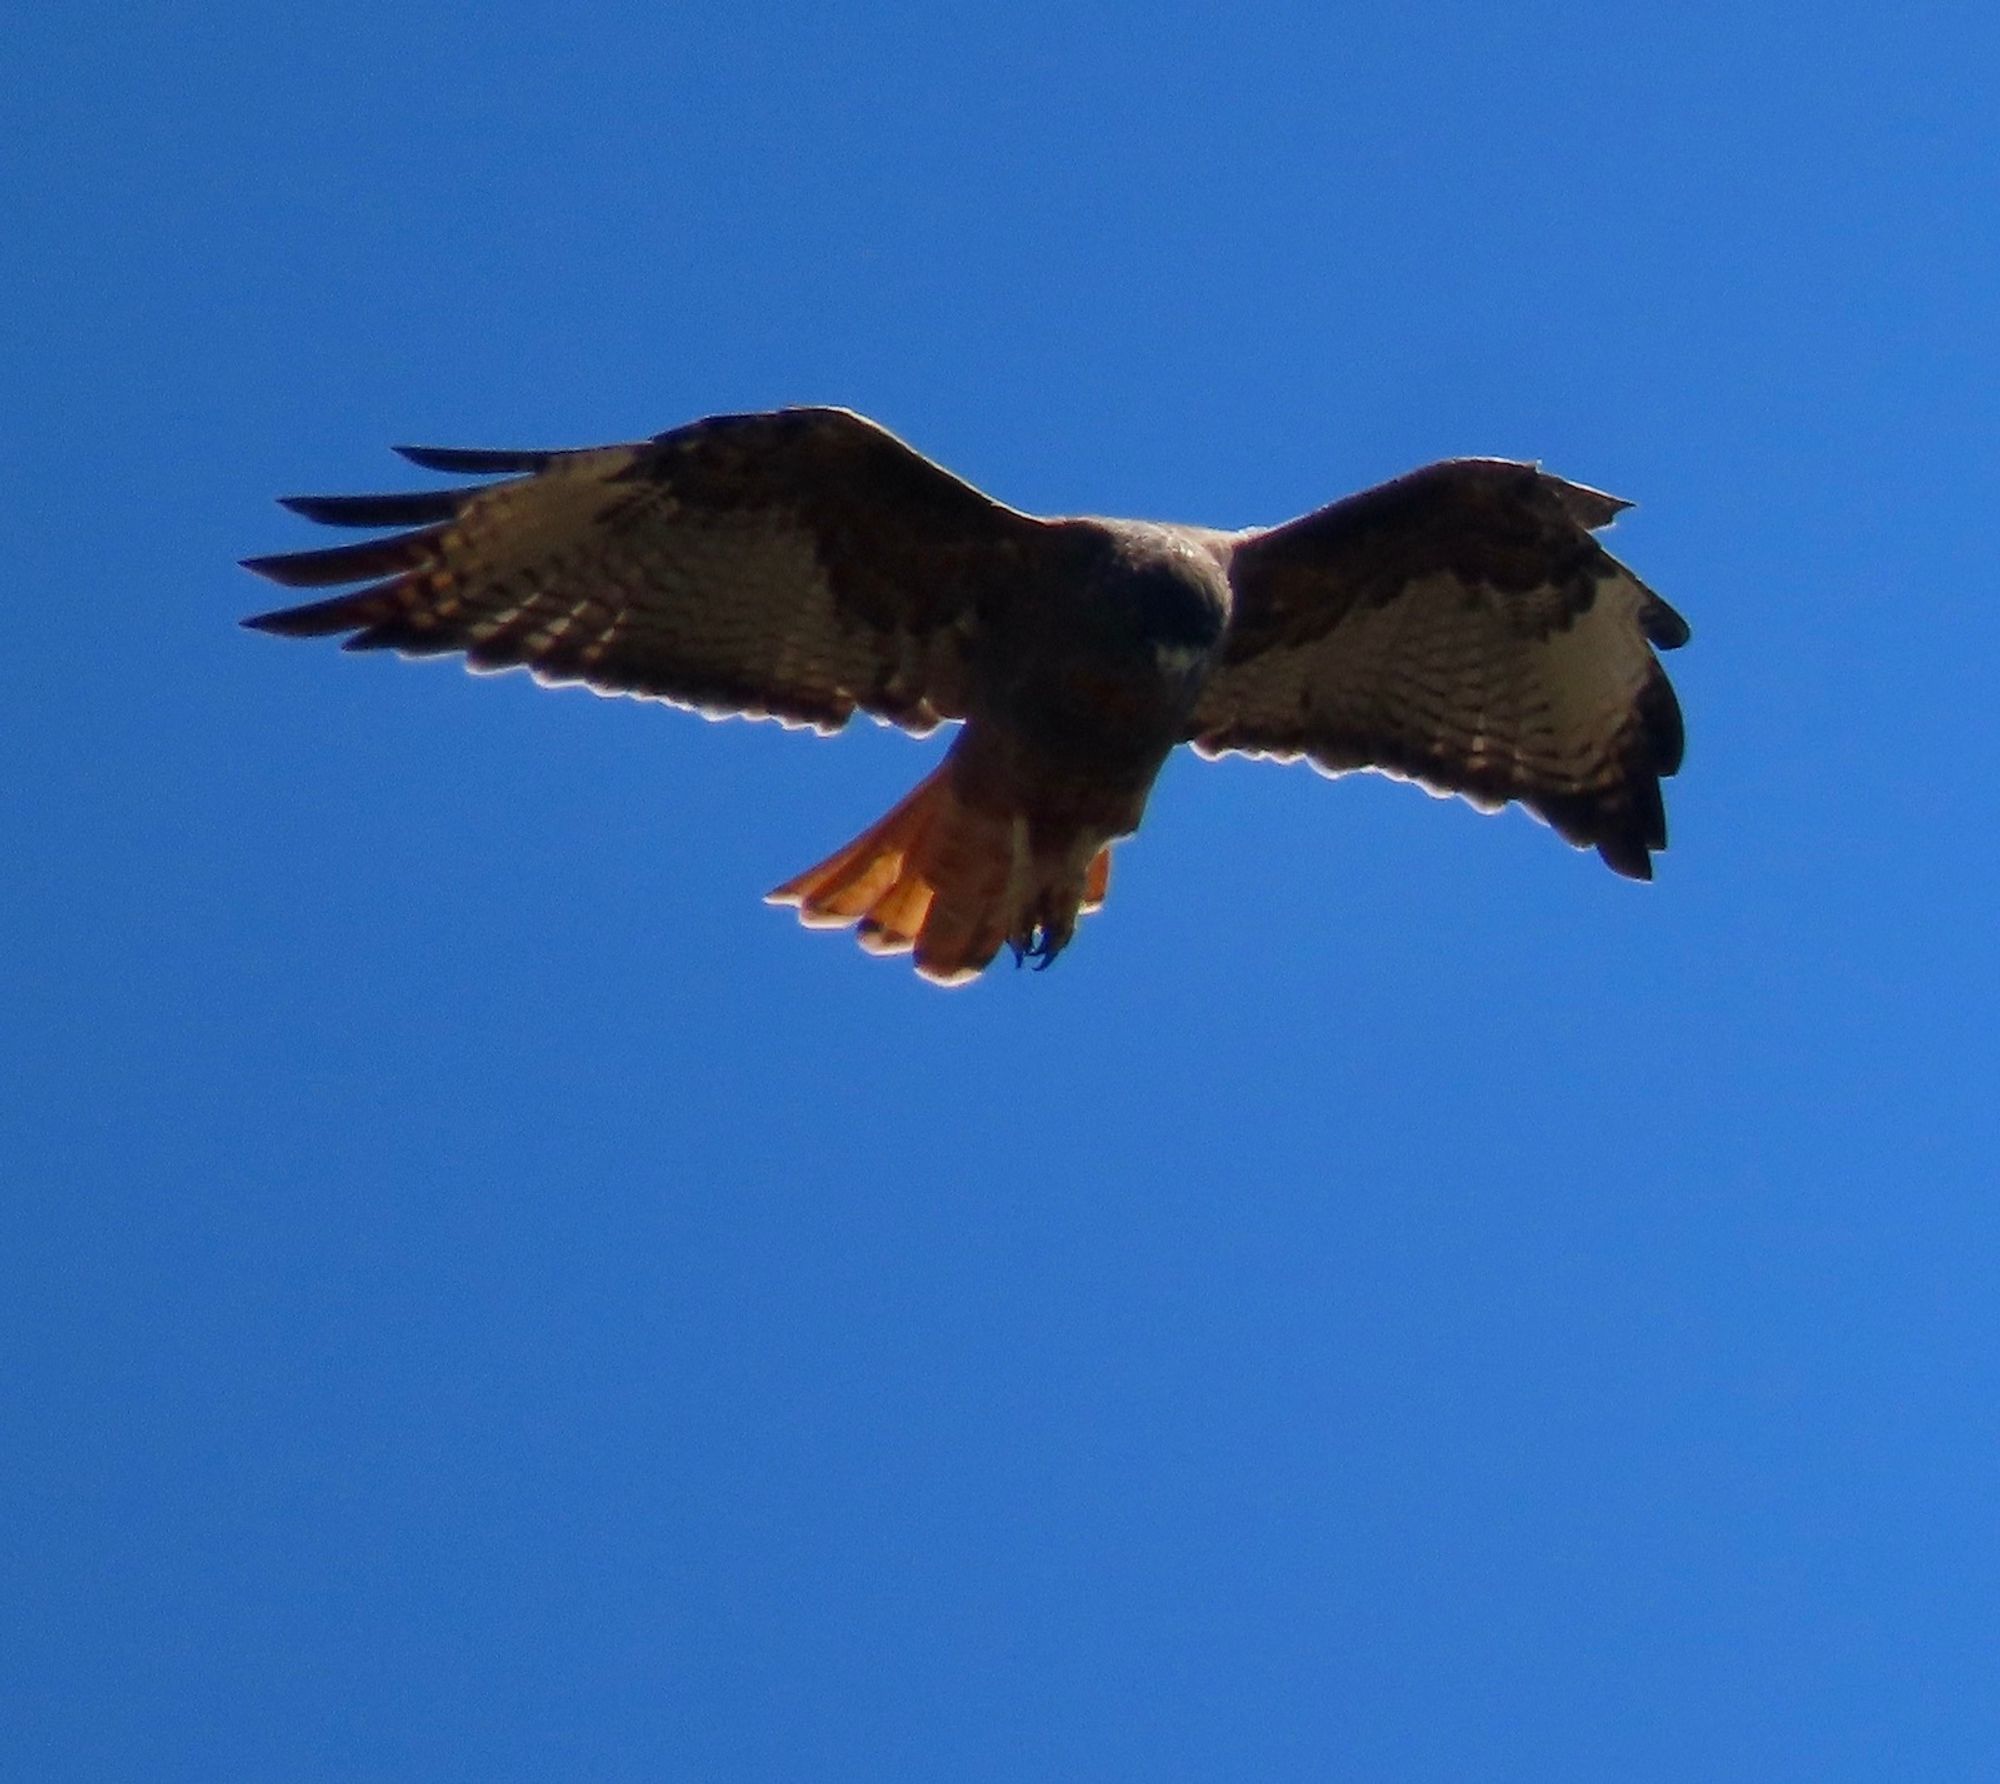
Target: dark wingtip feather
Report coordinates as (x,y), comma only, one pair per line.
(476,461)
(284,622)
(1624,856)
(271,568)
(345,563)
(1664,628)
(318,619)
(1661,725)
(1590,508)
(409,509)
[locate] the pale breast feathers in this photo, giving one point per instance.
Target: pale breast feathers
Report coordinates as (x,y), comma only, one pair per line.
(798,565)
(1459,627)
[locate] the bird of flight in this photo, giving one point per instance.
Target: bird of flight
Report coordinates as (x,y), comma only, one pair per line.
(1458,626)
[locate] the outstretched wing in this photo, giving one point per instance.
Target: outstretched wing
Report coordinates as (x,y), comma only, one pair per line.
(1461,628)
(795,565)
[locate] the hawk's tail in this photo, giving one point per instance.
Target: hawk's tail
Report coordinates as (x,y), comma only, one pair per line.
(952,881)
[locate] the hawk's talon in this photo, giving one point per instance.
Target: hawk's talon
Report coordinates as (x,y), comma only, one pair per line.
(1039,943)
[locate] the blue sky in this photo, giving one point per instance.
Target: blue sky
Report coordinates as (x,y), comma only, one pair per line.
(483,1297)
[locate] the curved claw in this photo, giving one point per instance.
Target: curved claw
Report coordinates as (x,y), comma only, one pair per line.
(1040,941)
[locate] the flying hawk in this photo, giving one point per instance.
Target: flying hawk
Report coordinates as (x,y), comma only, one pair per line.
(1458,626)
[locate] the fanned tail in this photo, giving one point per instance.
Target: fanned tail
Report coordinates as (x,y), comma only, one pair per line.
(952,882)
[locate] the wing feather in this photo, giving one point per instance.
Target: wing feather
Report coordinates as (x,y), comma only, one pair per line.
(409,508)
(798,564)
(1461,628)
(483,461)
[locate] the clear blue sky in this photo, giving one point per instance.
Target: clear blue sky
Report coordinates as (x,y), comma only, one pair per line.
(483,1297)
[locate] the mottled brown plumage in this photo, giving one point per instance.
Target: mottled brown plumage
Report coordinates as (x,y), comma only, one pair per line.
(1459,626)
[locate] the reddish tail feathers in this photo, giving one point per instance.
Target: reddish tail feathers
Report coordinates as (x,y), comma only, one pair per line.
(953,882)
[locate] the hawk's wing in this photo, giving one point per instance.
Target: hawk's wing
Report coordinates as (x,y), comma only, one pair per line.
(794,565)
(1459,627)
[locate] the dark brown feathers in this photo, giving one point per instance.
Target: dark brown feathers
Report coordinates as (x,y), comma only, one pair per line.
(412,509)
(344,563)
(799,565)
(483,461)
(1461,628)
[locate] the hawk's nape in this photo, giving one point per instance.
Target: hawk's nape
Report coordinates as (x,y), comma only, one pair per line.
(1460,627)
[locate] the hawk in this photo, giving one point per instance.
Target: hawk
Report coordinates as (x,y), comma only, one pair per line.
(1458,626)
